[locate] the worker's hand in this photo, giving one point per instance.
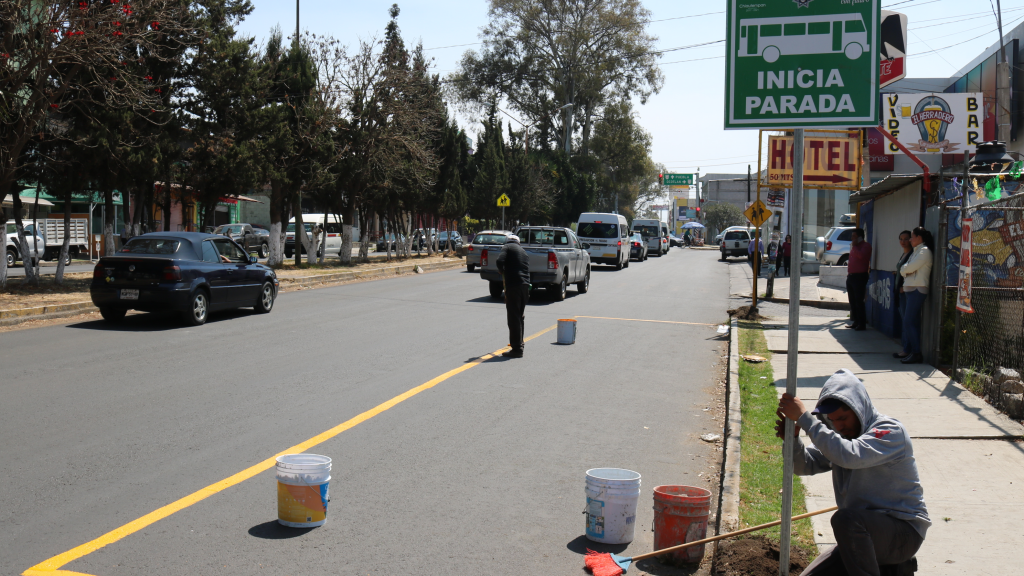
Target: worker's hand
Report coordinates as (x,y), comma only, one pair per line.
(780,430)
(791,407)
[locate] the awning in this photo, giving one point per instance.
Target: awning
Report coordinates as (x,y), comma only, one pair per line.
(26,200)
(888,184)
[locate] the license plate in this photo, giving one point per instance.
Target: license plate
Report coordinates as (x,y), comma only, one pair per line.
(127,294)
(609,255)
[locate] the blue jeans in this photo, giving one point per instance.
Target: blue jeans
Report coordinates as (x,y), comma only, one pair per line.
(912,320)
(903,327)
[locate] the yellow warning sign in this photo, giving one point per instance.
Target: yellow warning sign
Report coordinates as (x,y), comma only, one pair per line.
(503,201)
(758,213)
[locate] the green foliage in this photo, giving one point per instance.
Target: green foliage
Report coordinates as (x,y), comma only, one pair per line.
(719,216)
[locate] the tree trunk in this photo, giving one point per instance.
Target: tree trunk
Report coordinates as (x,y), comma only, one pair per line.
(300,228)
(364,243)
(108,223)
(140,197)
(276,227)
(58,278)
(23,247)
(35,240)
(167,202)
(346,236)
(3,263)
(587,121)
(126,213)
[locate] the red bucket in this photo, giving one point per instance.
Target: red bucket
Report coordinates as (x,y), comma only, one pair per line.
(680,516)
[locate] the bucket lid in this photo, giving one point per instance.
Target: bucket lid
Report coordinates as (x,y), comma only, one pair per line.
(566,320)
(682,494)
(303,461)
(613,475)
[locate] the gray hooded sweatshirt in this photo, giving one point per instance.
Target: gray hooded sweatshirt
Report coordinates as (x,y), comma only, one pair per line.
(875,471)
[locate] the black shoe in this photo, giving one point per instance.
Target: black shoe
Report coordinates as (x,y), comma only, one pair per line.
(860,328)
(913,359)
(513,354)
(900,355)
(851,326)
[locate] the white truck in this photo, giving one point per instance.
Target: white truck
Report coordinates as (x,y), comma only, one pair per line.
(48,239)
(557,259)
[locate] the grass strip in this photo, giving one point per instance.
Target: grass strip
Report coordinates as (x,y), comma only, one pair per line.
(761,451)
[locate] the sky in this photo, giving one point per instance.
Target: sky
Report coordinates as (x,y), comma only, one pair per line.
(685,119)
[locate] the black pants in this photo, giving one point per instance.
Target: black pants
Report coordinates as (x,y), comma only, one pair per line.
(784,264)
(857,290)
(516,298)
(865,540)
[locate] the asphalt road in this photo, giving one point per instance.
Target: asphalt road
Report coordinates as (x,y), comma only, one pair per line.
(483,473)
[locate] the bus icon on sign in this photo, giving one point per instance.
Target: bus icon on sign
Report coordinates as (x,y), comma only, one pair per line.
(827,34)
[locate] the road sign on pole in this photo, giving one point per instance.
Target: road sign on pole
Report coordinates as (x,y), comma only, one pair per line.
(758,212)
(829,162)
(503,201)
(803,63)
(678,180)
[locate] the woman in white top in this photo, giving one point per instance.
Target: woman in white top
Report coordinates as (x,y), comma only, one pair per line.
(916,275)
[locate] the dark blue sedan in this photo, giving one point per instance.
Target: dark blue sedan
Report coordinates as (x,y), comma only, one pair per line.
(188,272)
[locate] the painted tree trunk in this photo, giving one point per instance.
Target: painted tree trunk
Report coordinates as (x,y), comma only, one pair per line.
(58,278)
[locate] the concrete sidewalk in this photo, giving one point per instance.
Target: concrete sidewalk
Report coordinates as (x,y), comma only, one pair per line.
(970,456)
(810,289)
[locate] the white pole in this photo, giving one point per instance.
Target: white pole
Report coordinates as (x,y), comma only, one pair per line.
(796,201)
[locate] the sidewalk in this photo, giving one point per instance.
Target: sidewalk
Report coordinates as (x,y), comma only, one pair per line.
(970,456)
(810,289)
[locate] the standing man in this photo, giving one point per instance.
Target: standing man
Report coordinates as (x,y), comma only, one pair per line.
(882,519)
(514,265)
(857,274)
(754,251)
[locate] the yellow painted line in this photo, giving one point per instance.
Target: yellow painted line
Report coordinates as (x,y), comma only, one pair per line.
(52,566)
(641,320)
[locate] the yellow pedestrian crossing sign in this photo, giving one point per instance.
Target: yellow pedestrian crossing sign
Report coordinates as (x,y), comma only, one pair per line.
(758,213)
(503,201)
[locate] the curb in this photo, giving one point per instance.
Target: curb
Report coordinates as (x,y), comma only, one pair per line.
(19,315)
(822,304)
(729,514)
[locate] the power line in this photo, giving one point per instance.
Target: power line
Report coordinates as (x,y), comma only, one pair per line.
(968,40)
(682,17)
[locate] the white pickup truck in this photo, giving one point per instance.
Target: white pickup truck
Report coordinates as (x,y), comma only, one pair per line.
(49,237)
(557,259)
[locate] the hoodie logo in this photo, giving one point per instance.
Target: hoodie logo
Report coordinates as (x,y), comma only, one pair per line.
(880,433)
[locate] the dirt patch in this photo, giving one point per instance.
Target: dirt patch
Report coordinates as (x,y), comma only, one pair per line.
(17,295)
(755,557)
(746,313)
(292,271)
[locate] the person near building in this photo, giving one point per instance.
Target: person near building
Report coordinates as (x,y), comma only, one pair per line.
(857,273)
(786,255)
(916,273)
(754,251)
(882,518)
(514,265)
(901,298)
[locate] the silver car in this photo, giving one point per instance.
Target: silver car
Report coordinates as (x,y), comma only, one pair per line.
(834,247)
(485,239)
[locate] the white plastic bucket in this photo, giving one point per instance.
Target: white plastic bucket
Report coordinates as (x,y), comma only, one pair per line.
(612,494)
(302,489)
(566,331)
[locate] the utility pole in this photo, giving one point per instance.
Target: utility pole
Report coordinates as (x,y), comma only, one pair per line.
(1002,84)
(748,183)
(296,22)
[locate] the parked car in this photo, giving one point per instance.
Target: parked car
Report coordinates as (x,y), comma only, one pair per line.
(834,247)
(191,273)
(721,235)
(449,240)
(638,247)
(247,237)
(389,240)
(35,240)
(735,243)
(656,233)
(675,241)
(486,240)
(557,259)
(608,237)
(330,221)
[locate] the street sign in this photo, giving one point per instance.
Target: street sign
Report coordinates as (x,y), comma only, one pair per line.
(803,63)
(946,123)
(893,61)
(757,213)
(503,201)
(678,180)
(829,163)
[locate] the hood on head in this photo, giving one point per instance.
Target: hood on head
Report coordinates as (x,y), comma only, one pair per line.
(848,389)
(512,238)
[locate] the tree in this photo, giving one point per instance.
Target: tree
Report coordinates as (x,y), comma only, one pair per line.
(623,148)
(491,178)
(719,216)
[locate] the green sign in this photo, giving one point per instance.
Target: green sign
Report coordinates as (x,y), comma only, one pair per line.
(801,63)
(678,180)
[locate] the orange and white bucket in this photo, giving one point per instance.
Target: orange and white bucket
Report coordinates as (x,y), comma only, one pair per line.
(302,490)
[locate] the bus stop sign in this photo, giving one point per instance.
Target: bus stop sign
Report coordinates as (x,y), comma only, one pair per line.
(802,63)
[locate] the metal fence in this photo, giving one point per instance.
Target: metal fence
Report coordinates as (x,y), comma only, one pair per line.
(992,336)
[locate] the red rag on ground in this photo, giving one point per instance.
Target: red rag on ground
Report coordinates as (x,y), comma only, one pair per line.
(601,564)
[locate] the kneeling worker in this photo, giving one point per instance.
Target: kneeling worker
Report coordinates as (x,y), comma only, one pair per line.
(882,518)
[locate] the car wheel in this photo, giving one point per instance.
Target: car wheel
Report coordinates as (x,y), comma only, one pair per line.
(198,308)
(723,258)
(584,286)
(67,260)
(496,289)
(618,264)
(558,290)
(266,301)
(287,253)
(11,258)
(471,267)
(842,260)
(264,250)
(112,314)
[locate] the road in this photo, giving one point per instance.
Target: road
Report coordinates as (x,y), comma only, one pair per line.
(480,473)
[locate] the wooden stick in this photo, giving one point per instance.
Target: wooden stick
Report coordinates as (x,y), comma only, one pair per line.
(730,534)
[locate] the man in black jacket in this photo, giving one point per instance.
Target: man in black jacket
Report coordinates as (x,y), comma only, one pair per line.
(514,265)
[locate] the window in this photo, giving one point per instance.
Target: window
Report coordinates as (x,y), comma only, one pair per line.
(737,235)
(854,26)
(573,241)
(333,228)
(150,246)
(648,231)
(561,239)
(595,230)
(771,30)
(819,28)
(209,252)
(490,239)
(229,250)
(797,29)
(539,236)
(291,227)
(846,236)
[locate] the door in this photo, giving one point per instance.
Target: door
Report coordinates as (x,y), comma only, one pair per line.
(580,269)
(563,248)
(240,282)
(216,274)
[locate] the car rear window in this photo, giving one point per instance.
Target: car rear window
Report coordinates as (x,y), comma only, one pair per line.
(537,236)
(597,230)
(846,236)
(151,246)
(490,239)
(649,231)
(736,235)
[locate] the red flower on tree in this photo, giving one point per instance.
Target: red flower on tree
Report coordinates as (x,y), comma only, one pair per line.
(117,33)
(54,31)
(54,105)
(158,91)
(150,78)
(155,25)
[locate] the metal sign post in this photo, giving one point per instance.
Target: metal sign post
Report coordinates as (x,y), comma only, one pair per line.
(792,350)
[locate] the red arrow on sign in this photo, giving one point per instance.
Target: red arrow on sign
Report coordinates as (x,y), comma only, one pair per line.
(834,178)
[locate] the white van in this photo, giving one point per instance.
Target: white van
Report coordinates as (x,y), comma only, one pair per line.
(608,237)
(333,225)
(656,233)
